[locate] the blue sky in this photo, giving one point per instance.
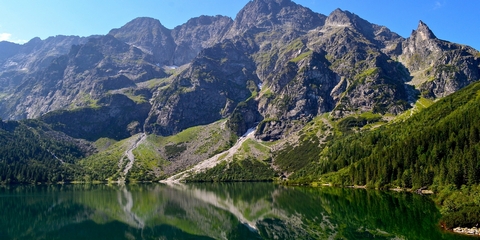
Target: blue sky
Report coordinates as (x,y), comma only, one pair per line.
(21,20)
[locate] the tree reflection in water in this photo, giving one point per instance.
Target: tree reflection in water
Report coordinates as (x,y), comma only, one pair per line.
(214,211)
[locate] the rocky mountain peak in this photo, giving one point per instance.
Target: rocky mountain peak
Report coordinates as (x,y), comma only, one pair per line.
(339,18)
(198,33)
(266,15)
(205,20)
(149,35)
(140,22)
(422,41)
(423,32)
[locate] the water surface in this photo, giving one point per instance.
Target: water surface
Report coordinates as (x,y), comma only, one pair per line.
(214,211)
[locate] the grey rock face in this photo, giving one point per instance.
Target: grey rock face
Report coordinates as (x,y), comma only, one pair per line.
(150,36)
(173,47)
(207,91)
(277,63)
(300,93)
(36,53)
(80,78)
(441,67)
(18,61)
(197,34)
(263,15)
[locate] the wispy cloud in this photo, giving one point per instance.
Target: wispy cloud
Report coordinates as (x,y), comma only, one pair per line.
(439,4)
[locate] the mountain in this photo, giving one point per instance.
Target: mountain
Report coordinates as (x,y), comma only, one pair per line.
(278,71)
(150,36)
(17,61)
(269,15)
(438,67)
(197,34)
(173,47)
(80,78)
(340,63)
(280,92)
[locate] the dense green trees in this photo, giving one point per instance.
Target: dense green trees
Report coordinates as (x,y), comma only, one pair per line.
(236,171)
(29,155)
(436,147)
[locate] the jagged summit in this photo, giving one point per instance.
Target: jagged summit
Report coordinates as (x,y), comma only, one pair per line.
(307,64)
(275,14)
(340,18)
(138,24)
(423,31)
(205,20)
(149,35)
(422,41)
(272,4)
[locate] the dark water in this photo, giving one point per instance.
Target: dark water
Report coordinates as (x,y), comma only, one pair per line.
(213,211)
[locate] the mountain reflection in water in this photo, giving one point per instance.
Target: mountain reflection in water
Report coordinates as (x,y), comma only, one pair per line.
(214,211)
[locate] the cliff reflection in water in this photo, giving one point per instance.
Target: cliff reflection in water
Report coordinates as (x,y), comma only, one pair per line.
(213,211)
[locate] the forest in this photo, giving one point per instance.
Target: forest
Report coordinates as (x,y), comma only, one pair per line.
(29,155)
(437,148)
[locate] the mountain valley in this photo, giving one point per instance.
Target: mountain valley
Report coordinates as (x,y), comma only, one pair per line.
(326,99)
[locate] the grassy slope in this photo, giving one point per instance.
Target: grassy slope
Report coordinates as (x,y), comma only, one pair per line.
(252,162)
(158,156)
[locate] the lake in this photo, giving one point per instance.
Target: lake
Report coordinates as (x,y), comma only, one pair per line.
(214,211)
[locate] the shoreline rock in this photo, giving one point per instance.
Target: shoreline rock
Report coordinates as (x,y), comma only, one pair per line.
(467,231)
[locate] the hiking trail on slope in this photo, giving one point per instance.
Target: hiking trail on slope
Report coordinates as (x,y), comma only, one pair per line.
(213,161)
(131,158)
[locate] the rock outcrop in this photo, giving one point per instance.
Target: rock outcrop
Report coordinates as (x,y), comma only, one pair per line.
(439,67)
(197,34)
(150,36)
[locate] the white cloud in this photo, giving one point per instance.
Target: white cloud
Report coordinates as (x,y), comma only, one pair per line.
(439,4)
(20,41)
(8,37)
(5,36)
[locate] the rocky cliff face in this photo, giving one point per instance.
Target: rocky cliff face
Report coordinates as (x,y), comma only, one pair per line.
(197,34)
(439,68)
(173,47)
(217,80)
(150,36)
(116,117)
(17,61)
(273,15)
(278,64)
(340,66)
(80,78)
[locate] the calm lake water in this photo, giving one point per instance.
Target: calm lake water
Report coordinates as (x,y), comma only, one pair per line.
(214,211)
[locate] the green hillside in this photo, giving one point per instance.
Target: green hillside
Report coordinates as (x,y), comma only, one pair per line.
(31,153)
(437,148)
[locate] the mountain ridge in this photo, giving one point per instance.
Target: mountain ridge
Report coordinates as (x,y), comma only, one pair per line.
(277,66)
(279,37)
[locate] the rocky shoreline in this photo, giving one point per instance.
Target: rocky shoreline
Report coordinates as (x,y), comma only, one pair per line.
(468,231)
